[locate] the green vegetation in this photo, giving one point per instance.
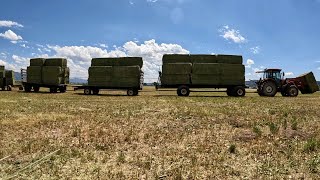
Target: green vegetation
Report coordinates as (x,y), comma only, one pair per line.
(158,135)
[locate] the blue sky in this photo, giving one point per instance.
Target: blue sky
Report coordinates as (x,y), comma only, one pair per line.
(268,33)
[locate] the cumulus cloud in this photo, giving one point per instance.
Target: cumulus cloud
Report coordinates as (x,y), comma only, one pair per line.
(10,35)
(289,74)
(10,66)
(4,23)
(249,63)
(255,50)
(79,57)
(232,35)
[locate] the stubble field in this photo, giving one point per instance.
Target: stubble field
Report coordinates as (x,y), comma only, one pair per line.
(158,135)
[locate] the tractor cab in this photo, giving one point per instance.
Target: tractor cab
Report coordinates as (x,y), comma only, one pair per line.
(274,74)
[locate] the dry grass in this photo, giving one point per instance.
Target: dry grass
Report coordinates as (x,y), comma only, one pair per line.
(158,135)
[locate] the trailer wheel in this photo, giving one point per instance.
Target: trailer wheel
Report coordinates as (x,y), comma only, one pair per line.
(36,88)
(87,91)
(62,89)
(239,91)
(53,90)
(21,88)
(136,92)
(95,91)
(131,92)
(183,91)
(27,88)
(292,91)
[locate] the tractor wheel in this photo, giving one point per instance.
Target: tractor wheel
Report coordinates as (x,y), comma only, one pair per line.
(36,88)
(95,91)
(87,91)
(292,91)
(269,88)
(284,93)
(239,91)
(183,91)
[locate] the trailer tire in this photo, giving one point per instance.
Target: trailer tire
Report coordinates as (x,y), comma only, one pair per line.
(53,90)
(136,92)
(292,91)
(87,91)
(183,91)
(95,91)
(131,92)
(36,88)
(238,91)
(27,88)
(62,89)
(269,89)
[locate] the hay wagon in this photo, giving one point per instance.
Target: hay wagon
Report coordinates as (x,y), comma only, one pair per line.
(184,72)
(114,74)
(51,73)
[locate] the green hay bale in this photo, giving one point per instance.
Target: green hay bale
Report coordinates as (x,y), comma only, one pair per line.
(232,80)
(201,79)
(100,71)
(229,59)
(176,58)
(52,75)
(9,74)
(203,58)
(177,68)
(119,61)
(126,71)
(34,74)
(2,68)
(206,68)
(2,74)
(9,81)
(309,82)
(232,69)
(126,82)
(37,62)
(175,79)
(56,62)
(100,81)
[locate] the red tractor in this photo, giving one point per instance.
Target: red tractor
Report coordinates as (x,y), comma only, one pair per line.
(273,81)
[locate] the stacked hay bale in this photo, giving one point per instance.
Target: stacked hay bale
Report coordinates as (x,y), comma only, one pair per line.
(9,78)
(52,71)
(310,83)
(121,72)
(223,70)
(2,77)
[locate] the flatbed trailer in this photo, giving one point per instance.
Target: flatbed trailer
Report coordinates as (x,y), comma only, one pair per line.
(185,89)
(88,90)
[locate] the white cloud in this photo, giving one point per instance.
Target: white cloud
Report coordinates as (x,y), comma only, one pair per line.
(9,24)
(232,34)
(79,57)
(20,60)
(24,46)
(10,66)
(255,50)
(289,74)
(10,35)
(103,45)
(152,1)
(250,62)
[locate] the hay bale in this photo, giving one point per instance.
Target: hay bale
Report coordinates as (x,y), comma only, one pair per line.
(309,82)
(126,71)
(176,68)
(175,79)
(126,82)
(100,71)
(232,69)
(119,61)
(203,58)
(37,61)
(2,68)
(232,80)
(206,69)
(9,81)
(2,74)
(100,81)
(9,74)
(176,58)
(34,74)
(62,62)
(229,59)
(52,75)
(205,79)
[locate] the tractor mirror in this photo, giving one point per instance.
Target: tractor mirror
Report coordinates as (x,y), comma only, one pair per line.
(283,74)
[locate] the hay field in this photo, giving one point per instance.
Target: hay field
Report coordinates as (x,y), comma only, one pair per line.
(158,135)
